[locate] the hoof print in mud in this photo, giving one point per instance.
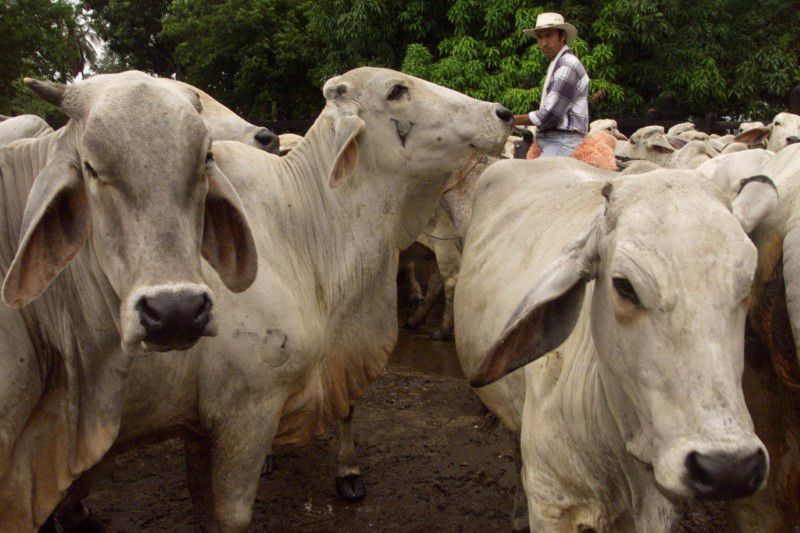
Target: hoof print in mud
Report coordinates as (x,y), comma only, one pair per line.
(350,488)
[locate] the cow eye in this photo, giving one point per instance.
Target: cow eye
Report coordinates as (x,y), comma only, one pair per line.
(625,290)
(89,169)
(397,92)
(209,157)
(777,123)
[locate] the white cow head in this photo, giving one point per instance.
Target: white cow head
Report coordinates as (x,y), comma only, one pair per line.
(783,131)
(225,125)
(414,126)
(691,154)
(683,127)
(649,143)
(409,131)
(132,178)
(672,270)
(607,125)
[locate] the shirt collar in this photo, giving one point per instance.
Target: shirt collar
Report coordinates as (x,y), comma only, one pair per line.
(560,53)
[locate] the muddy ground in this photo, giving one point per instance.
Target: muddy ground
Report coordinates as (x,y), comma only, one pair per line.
(431,458)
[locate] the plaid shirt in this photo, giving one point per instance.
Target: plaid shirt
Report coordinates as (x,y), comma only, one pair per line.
(565,106)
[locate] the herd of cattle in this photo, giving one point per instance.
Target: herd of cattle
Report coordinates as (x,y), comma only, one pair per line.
(167,274)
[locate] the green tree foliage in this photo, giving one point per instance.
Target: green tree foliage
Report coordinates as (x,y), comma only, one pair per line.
(247,53)
(41,38)
(490,58)
(731,57)
(133,34)
(346,34)
(734,57)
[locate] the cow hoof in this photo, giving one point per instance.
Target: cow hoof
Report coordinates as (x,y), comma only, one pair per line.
(269,466)
(75,518)
(350,488)
(441,336)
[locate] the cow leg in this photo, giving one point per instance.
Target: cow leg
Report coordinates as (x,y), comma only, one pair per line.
(416,290)
(773,408)
(519,518)
(435,285)
(224,471)
(445,331)
(349,483)
(72,514)
(269,465)
(198,481)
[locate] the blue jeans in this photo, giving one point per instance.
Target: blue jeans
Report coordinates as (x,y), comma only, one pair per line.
(558,143)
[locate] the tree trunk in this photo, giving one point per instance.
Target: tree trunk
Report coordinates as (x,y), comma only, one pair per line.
(794,100)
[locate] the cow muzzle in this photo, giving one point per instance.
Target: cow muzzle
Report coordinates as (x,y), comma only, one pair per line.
(170,317)
(728,468)
(725,476)
(268,141)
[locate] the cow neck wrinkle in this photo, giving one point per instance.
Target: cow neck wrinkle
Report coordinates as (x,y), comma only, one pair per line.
(399,206)
(341,230)
(588,402)
(21,164)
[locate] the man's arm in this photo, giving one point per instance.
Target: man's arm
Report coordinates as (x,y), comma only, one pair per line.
(522,120)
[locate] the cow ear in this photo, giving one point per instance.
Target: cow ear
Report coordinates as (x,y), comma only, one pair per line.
(618,134)
(347,129)
(660,143)
(55,224)
(547,314)
(228,243)
(754,136)
(757,197)
(676,142)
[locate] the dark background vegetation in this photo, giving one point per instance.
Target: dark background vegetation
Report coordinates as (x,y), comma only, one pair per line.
(267,59)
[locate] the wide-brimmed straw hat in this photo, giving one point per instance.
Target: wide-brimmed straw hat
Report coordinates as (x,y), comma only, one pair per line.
(555,21)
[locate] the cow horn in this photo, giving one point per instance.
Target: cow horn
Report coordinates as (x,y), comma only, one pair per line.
(47,90)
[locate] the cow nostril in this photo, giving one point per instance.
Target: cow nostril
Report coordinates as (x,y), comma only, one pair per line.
(697,473)
(268,140)
(203,314)
(504,114)
(724,476)
(149,316)
(174,319)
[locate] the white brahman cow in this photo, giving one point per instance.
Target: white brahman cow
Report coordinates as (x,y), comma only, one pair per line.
(298,348)
(104,223)
(772,375)
(632,293)
(780,133)
(22,127)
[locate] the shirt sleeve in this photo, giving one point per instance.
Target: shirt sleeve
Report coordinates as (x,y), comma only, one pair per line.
(558,99)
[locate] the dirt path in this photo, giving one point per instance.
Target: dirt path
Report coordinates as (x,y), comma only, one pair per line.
(427,457)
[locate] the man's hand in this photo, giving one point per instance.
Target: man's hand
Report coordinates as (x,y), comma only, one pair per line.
(598,97)
(522,120)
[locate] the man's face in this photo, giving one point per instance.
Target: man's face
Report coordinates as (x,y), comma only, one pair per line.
(550,42)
